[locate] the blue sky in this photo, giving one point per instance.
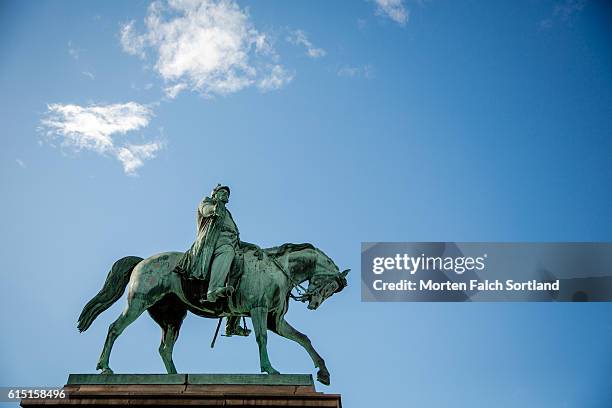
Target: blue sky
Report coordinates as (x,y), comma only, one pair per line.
(334,123)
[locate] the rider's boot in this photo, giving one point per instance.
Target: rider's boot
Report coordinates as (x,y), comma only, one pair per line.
(214,294)
(233,327)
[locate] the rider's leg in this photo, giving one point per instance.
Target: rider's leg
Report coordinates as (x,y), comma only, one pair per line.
(221,264)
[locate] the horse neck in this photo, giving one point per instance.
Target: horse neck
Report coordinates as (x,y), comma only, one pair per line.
(302,265)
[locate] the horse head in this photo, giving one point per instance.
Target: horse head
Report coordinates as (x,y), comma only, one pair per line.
(308,263)
(326,280)
(323,286)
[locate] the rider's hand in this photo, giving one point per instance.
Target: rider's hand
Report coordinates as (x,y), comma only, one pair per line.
(218,208)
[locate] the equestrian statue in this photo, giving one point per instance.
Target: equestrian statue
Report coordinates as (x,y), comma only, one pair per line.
(219,276)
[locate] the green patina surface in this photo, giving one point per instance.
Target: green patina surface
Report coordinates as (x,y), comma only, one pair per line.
(259,379)
(127,379)
(209,379)
(266,279)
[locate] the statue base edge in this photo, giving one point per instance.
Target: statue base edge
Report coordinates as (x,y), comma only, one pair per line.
(235,379)
(159,390)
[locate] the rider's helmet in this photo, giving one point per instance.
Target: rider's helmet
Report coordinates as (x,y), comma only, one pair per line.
(220,187)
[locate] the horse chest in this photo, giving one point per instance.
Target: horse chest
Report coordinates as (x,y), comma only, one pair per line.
(259,284)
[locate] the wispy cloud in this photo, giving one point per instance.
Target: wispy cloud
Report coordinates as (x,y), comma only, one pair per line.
(563,12)
(131,42)
(133,156)
(365,71)
(89,75)
(206,46)
(73,51)
(569,8)
(276,79)
(98,128)
(393,9)
(20,163)
(299,37)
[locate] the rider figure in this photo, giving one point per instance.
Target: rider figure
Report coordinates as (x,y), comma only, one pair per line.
(213,251)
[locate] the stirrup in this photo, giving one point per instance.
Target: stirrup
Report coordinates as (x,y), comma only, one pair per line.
(237,331)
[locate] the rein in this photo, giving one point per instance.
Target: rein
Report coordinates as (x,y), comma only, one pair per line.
(303,293)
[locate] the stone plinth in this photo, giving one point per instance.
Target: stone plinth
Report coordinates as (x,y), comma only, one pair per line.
(166,390)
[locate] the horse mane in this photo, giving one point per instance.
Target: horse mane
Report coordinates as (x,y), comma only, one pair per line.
(281,250)
(288,247)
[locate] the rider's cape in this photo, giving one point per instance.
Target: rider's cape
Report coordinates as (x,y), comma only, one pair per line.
(195,263)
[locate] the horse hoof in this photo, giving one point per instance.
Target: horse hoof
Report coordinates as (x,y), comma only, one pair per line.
(107,371)
(270,371)
(323,377)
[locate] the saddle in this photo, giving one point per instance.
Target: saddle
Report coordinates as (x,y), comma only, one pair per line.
(195,289)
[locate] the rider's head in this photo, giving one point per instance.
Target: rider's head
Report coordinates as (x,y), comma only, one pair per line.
(221,193)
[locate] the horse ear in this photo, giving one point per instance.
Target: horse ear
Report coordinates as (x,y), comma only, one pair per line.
(345,272)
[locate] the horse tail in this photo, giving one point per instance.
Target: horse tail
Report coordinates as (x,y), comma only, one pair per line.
(113,288)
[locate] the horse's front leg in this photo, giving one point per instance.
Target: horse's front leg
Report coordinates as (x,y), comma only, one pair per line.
(287,331)
(259,317)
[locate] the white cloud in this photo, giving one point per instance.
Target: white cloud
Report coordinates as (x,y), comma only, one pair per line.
(132,156)
(173,90)
(277,78)
(89,75)
(299,37)
(393,9)
(365,71)
(98,128)
(132,43)
(206,46)
(20,163)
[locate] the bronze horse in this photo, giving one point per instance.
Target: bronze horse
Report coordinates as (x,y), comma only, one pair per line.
(262,293)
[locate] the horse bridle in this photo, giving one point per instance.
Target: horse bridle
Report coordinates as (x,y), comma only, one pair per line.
(304,294)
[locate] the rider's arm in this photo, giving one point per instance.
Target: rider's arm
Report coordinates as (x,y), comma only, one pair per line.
(206,208)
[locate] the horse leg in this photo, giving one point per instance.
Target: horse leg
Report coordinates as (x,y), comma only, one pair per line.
(283,328)
(134,309)
(169,314)
(169,337)
(259,317)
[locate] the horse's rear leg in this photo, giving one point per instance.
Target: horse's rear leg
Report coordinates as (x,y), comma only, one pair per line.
(284,329)
(169,336)
(134,308)
(169,314)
